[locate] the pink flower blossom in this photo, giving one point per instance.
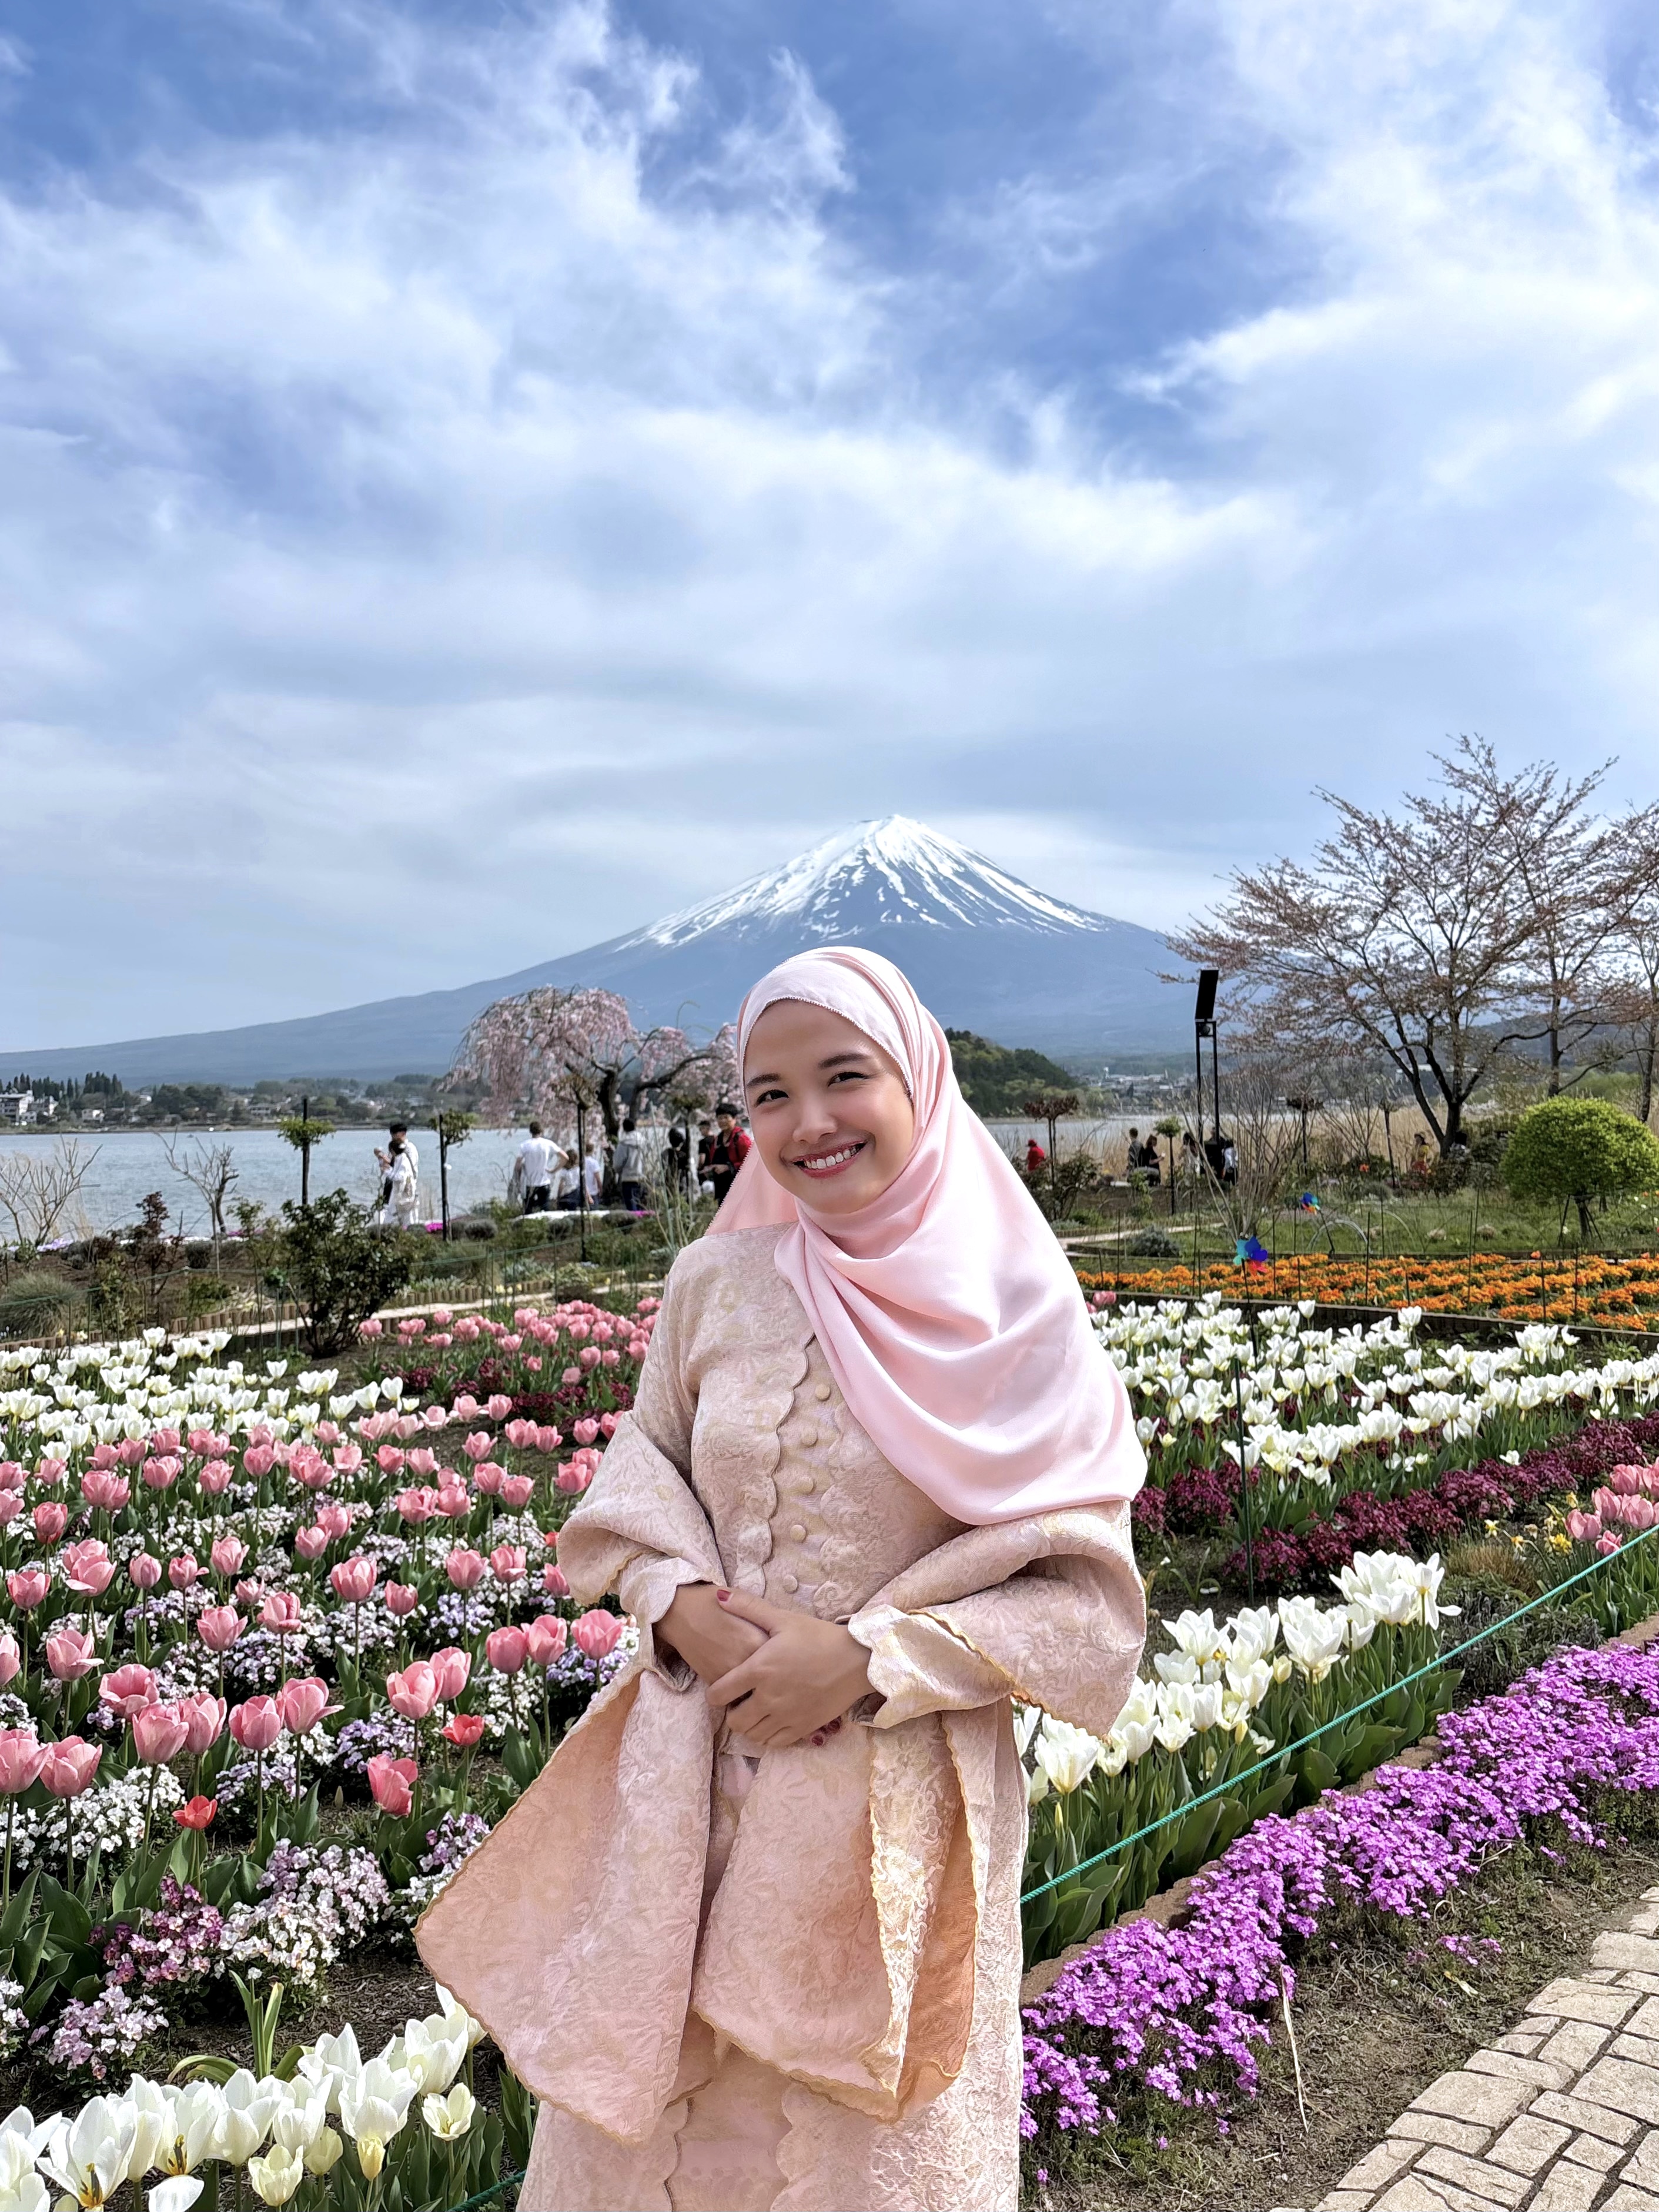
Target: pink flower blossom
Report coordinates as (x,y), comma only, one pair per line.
(183,1571)
(303,1703)
(50,1519)
(506,1563)
(87,1568)
(215,1477)
(280,1613)
(553,1580)
(228,1554)
(204,1722)
(311,1543)
(27,1586)
(219,1626)
(401,1598)
(143,1571)
(67,1768)
(391,1781)
(106,1490)
(451,1670)
(545,1639)
(597,1633)
(127,1691)
(464,1568)
(353,1580)
(506,1649)
(256,1723)
(21,1761)
(71,1653)
(414,1693)
(159,1733)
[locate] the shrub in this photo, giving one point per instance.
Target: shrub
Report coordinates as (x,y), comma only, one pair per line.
(1568,1151)
(1153,1244)
(339,1267)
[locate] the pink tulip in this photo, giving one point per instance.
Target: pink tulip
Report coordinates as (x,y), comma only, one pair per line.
(50,1472)
(553,1580)
(488,1478)
(573,1475)
(347,1458)
(165,1440)
(544,1640)
(303,1703)
(548,1440)
(127,1691)
(516,1491)
(496,1405)
(391,1781)
(183,1571)
(256,1723)
(204,1722)
(50,1519)
(12,1476)
(228,1555)
(597,1633)
(414,1693)
(159,1733)
(144,1571)
(353,1580)
(423,1463)
(21,1761)
(110,1491)
(588,1357)
(11,1506)
(506,1563)
(214,1478)
(219,1626)
(259,1460)
(1608,1544)
(464,1568)
(390,1460)
(162,1473)
(453,1502)
(280,1613)
(506,1649)
(311,1543)
(129,1451)
(11,1657)
(334,1521)
(586,1431)
(70,1653)
(248,1592)
(417,1506)
(401,1598)
(88,1569)
(67,1768)
(451,1669)
(479,1446)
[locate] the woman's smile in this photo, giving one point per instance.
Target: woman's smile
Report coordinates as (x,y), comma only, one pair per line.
(830,1164)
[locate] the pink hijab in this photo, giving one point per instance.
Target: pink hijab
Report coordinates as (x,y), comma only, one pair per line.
(947,1312)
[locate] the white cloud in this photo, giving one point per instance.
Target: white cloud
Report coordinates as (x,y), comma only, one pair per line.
(435,545)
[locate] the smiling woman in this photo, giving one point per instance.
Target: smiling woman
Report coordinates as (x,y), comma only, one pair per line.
(874,1485)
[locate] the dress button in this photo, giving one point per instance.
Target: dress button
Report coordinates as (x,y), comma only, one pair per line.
(821,1391)
(798,1534)
(809,1438)
(791,1582)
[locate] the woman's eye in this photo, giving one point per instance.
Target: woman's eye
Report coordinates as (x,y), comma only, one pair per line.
(847,1075)
(767,1097)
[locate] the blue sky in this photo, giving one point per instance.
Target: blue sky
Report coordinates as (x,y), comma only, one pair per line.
(476,478)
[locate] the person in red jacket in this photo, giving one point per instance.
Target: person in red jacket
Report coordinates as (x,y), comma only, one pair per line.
(1035,1156)
(733,1143)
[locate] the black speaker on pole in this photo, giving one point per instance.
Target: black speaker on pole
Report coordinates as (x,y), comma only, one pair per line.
(1208,979)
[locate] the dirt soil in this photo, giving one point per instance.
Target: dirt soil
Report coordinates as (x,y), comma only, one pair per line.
(1377,2015)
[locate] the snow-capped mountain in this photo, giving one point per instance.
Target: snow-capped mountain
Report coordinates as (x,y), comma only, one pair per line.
(986,952)
(890,872)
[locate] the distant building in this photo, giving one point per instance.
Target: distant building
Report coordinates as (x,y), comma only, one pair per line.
(16,1106)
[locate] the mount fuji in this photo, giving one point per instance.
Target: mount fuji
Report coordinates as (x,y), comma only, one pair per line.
(986,952)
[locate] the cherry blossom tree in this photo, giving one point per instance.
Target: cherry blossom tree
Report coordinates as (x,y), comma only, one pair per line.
(548,1052)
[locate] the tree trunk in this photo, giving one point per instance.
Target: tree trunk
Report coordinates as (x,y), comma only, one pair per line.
(1650,1054)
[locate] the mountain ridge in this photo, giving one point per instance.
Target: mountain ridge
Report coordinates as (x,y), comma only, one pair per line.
(986,951)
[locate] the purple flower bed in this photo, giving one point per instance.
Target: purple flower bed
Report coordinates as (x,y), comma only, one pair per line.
(1180,2012)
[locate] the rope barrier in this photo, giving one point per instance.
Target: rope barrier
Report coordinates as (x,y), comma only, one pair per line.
(1285,1750)
(486,2196)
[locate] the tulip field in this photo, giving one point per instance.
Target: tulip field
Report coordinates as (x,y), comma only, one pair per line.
(280,1644)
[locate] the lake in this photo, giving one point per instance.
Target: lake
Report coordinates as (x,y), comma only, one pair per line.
(131,1163)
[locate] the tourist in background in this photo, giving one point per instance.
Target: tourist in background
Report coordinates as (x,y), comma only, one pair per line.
(399,1187)
(1133,1161)
(533,1171)
(627,1165)
(567,1184)
(677,1163)
(1036,1157)
(705,1154)
(731,1148)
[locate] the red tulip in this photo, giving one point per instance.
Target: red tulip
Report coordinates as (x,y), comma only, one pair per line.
(69,1766)
(464,1729)
(391,1781)
(414,1693)
(464,1568)
(127,1691)
(159,1733)
(21,1761)
(303,1703)
(353,1580)
(451,1669)
(506,1649)
(219,1626)
(256,1723)
(197,1813)
(597,1633)
(70,1653)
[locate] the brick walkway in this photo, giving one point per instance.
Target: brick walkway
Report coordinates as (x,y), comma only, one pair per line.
(1562,2115)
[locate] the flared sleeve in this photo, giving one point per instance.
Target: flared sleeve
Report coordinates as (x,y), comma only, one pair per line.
(1048,1610)
(641,1530)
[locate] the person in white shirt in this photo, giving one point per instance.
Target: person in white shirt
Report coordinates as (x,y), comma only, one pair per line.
(400,1190)
(533,1170)
(627,1165)
(595,1173)
(566,1183)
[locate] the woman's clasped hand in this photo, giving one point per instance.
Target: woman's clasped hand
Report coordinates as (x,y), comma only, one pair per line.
(780,1677)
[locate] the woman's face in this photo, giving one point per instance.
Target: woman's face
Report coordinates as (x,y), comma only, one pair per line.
(828,1108)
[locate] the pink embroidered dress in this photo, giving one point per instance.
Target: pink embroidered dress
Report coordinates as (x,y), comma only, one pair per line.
(788,1978)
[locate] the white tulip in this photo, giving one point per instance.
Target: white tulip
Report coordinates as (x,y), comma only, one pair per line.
(88,2156)
(176,2194)
(248,2106)
(449,2118)
(1066,1755)
(277,2175)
